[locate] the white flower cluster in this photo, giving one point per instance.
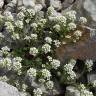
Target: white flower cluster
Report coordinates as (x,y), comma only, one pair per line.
(32,73)
(19,24)
(24,87)
(49,84)
(48,40)
(56,27)
(20,15)
(34,36)
(51,11)
(4,78)
(55,64)
(71,15)
(78,34)
(9,26)
(33,51)
(57,43)
(17,64)
(37,92)
(89,64)
(5,50)
(83,20)
(46,48)
(84,91)
(46,74)
(6,63)
(71,26)
(30,12)
(34,26)
(68,69)
(15,36)
(49,58)
(27,38)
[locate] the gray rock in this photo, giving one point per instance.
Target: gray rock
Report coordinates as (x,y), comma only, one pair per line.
(1,3)
(72,91)
(8,90)
(91,77)
(56,4)
(29,3)
(90,7)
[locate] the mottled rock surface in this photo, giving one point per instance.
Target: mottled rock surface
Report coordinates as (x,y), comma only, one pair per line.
(8,90)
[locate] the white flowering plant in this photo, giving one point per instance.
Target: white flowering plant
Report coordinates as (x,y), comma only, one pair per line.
(31,41)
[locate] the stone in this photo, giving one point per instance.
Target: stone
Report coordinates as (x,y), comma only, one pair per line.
(56,4)
(90,7)
(8,90)
(29,3)
(72,91)
(1,3)
(91,77)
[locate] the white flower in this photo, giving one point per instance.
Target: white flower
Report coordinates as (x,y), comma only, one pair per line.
(68,70)
(37,92)
(57,43)
(19,24)
(24,87)
(46,48)
(22,9)
(51,11)
(6,63)
(31,72)
(50,84)
(71,15)
(83,20)
(27,38)
(3,78)
(34,26)
(48,40)
(89,64)
(60,19)
(17,59)
(20,15)
(15,36)
(16,66)
(34,36)
(49,58)
(71,26)
(78,33)
(30,12)
(46,74)
(57,27)
(33,51)
(86,92)
(55,63)
(8,16)
(9,26)
(5,50)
